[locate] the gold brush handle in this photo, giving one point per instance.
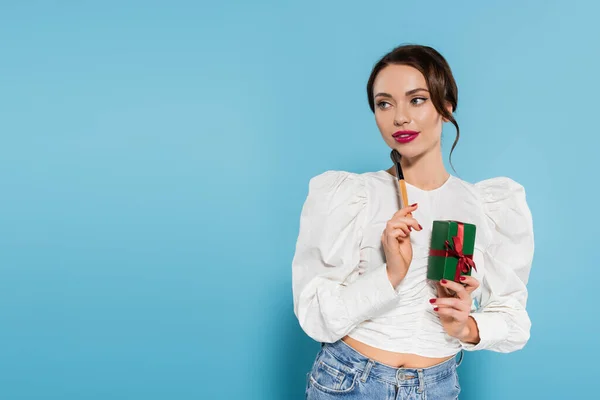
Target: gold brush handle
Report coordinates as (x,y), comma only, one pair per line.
(403,195)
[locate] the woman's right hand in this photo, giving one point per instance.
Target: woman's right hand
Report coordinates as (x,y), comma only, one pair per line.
(396,243)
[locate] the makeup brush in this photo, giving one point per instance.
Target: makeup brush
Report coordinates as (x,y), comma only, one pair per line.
(402,194)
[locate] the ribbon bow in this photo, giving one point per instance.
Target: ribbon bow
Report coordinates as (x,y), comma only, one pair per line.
(465,262)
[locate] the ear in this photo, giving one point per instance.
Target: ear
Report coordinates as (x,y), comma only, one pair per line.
(449,108)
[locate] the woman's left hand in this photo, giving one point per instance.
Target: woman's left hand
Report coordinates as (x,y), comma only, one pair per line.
(453,305)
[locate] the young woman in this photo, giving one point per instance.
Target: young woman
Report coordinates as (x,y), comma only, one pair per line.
(359,271)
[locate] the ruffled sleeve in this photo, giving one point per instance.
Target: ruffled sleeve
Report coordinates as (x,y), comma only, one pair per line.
(327,252)
(502,319)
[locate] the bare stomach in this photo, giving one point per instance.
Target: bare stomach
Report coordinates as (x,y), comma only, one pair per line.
(396,360)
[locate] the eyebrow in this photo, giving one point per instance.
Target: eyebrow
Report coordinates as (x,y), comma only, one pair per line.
(383,94)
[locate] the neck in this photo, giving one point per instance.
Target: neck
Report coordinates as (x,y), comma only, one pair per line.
(426,172)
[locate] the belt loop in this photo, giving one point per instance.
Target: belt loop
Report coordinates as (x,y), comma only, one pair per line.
(421,388)
(366,371)
(461,358)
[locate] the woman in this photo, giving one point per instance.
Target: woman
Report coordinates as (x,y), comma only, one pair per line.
(359,271)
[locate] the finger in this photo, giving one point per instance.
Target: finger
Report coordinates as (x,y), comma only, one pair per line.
(407,221)
(469,283)
(442,291)
(451,302)
(404,218)
(457,288)
(398,225)
(396,233)
(389,236)
(405,231)
(450,312)
(402,224)
(406,210)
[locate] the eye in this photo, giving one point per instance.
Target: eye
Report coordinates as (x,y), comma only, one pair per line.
(379,104)
(418,98)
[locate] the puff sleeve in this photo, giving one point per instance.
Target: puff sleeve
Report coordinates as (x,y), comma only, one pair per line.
(502,319)
(327,306)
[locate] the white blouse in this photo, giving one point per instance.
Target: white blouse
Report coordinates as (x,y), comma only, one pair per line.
(339,280)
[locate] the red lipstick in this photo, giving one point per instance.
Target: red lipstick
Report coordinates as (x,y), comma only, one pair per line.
(405,136)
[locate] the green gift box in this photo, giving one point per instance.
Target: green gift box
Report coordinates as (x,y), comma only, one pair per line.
(451,251)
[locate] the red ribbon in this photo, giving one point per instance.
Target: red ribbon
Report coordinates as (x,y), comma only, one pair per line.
(465,261)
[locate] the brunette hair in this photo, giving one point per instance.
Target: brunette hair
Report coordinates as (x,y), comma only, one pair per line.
(438,75)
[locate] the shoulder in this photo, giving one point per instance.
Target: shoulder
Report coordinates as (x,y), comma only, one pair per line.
(503,202)
(333,179)
(510,222)
(498,191)
(333,189)
(500,188)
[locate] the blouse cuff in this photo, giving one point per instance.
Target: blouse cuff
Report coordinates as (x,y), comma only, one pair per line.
(365,297)
(492,329)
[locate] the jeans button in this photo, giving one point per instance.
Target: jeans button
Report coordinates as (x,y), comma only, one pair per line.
(401,376)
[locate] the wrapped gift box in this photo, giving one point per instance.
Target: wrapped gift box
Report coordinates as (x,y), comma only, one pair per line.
(451,250)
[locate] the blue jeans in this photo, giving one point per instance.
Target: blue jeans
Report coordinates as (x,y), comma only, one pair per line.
(341,372)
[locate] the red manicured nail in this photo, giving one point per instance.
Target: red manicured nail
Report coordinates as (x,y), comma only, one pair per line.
(444,281)
(412,205)
(432,301)
(420,227)
(435,309)
(462,278)
(410,228)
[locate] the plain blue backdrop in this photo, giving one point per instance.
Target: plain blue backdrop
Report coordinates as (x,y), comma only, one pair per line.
(154,158)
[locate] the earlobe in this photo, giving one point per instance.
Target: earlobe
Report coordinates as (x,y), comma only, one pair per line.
(449,109)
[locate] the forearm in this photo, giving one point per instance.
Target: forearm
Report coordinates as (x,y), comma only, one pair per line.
(471,332)
(395,278)
(503,332)
(327,310)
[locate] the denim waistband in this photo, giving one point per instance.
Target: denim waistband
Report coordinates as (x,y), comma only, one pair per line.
(365,366)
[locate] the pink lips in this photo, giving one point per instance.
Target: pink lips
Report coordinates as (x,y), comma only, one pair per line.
(405,136)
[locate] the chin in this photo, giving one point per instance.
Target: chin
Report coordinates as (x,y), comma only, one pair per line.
(408,152)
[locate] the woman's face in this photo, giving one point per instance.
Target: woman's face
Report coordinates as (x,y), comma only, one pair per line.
(398,99)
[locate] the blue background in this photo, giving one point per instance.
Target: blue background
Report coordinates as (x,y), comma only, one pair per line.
(154,158)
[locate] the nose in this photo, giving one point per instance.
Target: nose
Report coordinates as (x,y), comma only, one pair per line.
(400,118)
